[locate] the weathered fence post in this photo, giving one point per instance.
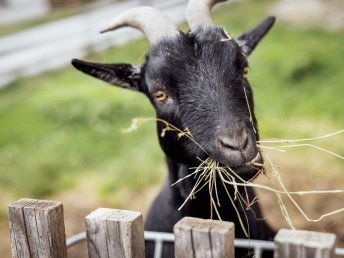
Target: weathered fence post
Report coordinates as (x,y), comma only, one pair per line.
(115,233)
(200,238)
(304,244)
(37,229)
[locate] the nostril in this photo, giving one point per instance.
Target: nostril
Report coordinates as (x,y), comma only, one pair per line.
(226,142)
(244,141)
(234,142)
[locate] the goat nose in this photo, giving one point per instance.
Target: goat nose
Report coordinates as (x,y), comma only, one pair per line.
(236,142)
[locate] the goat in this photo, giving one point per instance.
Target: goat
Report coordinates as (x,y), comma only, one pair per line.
(195,80)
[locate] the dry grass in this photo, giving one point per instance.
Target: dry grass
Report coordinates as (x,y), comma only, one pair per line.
(209,171)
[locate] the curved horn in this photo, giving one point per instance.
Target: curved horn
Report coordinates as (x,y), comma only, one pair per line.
(148,20)
(198,12)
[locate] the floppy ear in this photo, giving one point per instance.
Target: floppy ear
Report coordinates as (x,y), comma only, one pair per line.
(127,76)
(249,40)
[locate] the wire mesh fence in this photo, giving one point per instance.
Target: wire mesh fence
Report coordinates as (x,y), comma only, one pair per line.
(159,238)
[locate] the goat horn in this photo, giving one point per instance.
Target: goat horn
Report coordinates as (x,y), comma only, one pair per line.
(148,20)
(198,12)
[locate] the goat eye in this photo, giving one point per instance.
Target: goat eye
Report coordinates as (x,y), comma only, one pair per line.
(160,96)
(245,72)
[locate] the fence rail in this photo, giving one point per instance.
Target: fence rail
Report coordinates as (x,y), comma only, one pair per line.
(37,230)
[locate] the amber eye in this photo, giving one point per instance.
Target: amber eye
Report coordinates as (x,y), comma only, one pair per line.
(160,96)
(245,72)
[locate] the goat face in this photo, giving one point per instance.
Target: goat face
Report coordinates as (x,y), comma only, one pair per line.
(197,81)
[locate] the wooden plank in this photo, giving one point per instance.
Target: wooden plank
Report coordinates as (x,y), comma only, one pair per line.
(183,245)
(304,244)
(19,241)
(201,238)
(222,239)
(37,229)
(115,233)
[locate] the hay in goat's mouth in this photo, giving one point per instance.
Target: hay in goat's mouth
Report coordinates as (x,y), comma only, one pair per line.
(209,172)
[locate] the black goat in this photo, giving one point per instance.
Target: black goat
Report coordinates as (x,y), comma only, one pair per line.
(195,80)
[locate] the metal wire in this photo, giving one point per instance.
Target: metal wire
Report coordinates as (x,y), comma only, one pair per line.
(76,239)
(160,237)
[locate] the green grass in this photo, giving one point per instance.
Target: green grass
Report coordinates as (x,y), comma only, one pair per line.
(62,125)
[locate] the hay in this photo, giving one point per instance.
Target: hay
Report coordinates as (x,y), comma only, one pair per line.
(209,170)
(249,110)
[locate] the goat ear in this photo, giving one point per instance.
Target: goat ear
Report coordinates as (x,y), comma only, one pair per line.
(127,76)
(249,40)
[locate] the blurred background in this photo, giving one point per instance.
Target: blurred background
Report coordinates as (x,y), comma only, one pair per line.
(61,132)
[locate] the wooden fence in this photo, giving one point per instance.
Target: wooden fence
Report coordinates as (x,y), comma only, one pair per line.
(37,230)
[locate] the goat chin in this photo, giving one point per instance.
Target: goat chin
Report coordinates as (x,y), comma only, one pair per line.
(246,173)
(250,169)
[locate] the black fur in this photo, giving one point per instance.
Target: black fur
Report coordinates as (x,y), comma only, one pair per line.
(202,73)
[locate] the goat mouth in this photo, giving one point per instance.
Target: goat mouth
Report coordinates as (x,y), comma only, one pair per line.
(255,162)
(253,166)
(251,169)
